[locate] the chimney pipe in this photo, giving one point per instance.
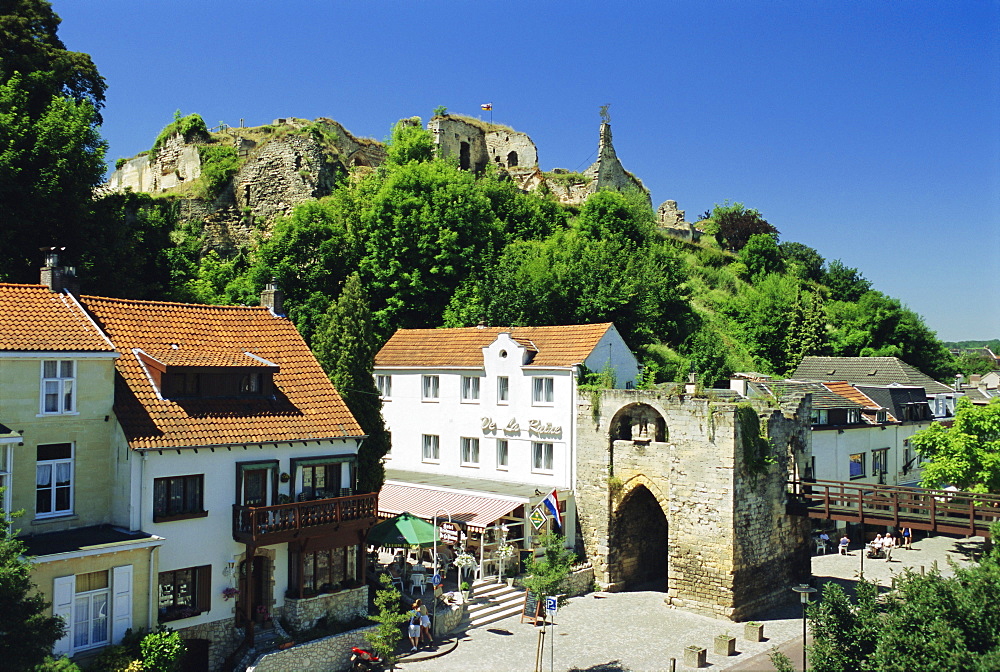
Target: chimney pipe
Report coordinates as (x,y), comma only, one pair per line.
(52,273)
(273,298)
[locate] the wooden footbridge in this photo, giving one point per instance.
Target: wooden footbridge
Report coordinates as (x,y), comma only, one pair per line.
(947,511)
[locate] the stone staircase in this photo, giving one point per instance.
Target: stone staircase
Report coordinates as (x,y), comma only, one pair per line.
(492,602)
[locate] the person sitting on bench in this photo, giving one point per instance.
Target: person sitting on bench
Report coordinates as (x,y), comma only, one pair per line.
(844,543)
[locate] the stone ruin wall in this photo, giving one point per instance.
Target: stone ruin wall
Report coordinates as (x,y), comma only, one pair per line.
(723,527)
(510,149)
(176,162)
(449,134)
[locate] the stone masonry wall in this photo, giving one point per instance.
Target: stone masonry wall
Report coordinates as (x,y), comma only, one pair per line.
(222,634)
(499,145)
(450,133)
(343,606)
(321,655)
(284,172)
(722,527)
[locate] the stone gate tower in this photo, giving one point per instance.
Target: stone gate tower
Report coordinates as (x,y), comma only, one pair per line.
(678,490)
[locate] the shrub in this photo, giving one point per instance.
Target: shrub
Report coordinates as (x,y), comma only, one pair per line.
(218,165)
(162,651)
(62,664)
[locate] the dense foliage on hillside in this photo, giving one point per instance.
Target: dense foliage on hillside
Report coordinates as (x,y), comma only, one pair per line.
(437,246)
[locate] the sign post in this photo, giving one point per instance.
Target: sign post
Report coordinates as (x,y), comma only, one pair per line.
(551,606)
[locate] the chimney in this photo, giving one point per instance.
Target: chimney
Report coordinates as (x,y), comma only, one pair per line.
(52,275)
(692,384)
(273,298)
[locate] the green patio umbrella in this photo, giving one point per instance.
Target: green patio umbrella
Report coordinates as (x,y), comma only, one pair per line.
(402,531)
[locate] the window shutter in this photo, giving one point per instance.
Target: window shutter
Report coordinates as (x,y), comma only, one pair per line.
(63,590)
(204,587)
(121,602)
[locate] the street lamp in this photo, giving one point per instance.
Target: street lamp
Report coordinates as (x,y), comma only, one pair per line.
(804,590)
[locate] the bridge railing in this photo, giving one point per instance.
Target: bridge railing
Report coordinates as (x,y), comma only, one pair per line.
(922,508)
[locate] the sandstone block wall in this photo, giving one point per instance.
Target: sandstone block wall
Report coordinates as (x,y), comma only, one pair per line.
(321,655)
(724,526)
(450,134)
(501,144)
(343,606)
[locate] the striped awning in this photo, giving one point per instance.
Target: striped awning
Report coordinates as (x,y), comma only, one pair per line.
(477,511)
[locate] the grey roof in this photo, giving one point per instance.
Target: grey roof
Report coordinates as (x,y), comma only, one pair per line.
(821,397)
(82,539)
(896,398)
(867,370)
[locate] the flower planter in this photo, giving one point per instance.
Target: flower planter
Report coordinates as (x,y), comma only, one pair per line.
(753,632)
(695,656)
(510,581)
(725,645)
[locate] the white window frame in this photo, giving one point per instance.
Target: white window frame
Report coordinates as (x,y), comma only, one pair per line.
(503,390)
(469,451)
(503,451)
(88,598)
(539,464)
(383,382)
(6,471)
(53,466)
(430,448)
(542,391)
(470,389)
(62,386)
(430,387)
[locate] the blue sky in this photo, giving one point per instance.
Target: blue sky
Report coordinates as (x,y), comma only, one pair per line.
(868,130)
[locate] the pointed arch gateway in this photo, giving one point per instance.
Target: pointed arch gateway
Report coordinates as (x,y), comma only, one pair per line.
(638,550)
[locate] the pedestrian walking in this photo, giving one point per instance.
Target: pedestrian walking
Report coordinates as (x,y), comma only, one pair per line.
(425,621)
(907,537)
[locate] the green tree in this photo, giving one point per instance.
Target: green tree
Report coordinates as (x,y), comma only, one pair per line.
(970,364)
(50,161)
(547,574)
(967,454)
(424,228)
(31,47)
(807,331)
(345,346)
(389,617)
(803,261)
(410,141)
(27,631)
(51,156)
(732,224)
(762,256)
(760,317)
(845,283)
(624,217)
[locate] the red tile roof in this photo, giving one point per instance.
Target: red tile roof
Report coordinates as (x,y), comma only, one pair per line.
(304,405)
(848,391)
(564,345)
(33,318)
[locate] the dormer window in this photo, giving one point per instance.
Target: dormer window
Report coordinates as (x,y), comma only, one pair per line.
(178,373)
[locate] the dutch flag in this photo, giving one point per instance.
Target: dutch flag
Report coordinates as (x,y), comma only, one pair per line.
(552,504)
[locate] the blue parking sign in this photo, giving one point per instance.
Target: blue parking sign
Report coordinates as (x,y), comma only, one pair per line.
(550,605)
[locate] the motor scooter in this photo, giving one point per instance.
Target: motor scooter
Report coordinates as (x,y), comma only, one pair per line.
(363,660)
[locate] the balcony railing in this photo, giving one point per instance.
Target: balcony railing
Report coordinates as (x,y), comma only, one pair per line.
(265,525)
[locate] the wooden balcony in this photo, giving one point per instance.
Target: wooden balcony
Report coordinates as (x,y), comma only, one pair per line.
(336,518)
(946,511)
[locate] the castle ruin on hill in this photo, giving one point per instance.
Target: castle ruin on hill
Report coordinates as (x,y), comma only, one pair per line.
(293,160)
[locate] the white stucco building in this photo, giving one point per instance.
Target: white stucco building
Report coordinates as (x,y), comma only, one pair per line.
(483,418)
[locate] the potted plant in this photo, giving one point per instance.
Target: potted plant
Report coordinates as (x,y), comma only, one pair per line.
(285,643)
(466,589)
(725,645)
(464,561)
(753,631)
(230,593)
(261,615)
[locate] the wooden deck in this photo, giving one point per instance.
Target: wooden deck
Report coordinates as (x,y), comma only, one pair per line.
(945,511)
(298,521)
